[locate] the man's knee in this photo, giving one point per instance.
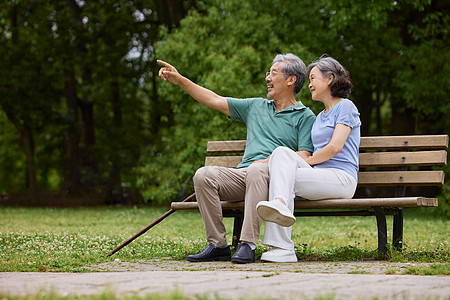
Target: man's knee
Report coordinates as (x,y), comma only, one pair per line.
(204,175)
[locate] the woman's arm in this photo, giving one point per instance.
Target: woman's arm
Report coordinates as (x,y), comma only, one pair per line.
(340,135)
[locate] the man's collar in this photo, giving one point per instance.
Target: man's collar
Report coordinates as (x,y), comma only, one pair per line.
(298,106)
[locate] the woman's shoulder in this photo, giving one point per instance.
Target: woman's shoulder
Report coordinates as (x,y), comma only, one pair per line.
(348,105)
(347,102)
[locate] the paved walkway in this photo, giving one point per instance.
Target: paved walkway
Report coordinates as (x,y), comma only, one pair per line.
(358,280)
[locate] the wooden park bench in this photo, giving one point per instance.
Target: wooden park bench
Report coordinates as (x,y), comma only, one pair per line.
(388,164)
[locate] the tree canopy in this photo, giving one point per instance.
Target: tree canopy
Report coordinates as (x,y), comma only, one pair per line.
(82,108)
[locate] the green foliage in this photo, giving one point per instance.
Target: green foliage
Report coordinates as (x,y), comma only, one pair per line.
(226,45)
(79,82)
(224,49)
(421,76)
(71,72)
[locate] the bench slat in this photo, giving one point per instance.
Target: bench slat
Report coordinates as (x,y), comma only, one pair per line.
(223,161)
(367,143)
(374,159)
(331,203)
(225,146)
(404,142)
(375,178)
(395,159)
(402,178)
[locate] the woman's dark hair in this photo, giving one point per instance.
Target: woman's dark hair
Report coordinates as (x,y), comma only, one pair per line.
(341,86)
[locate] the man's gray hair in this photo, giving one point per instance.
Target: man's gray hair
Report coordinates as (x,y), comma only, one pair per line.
(294,66)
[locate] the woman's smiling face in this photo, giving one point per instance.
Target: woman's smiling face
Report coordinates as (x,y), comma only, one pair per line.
(319,86)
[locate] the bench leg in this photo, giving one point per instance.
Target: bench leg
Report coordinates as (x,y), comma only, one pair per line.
(237,228)
(397,238)
(382,230)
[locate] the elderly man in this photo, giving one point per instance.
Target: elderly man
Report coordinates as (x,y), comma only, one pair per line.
(277,121)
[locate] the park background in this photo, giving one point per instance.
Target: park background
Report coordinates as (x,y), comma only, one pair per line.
(85,119)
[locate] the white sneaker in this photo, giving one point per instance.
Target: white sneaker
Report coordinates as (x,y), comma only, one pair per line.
(279,255)
(276,212)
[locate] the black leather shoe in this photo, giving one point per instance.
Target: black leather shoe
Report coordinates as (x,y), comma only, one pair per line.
(211,253)
(243,255)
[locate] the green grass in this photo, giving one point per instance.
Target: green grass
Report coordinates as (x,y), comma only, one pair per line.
(434,269)
(176,295)
(47,239)
(45,295)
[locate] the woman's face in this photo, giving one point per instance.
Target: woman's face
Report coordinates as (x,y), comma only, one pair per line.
(319,86)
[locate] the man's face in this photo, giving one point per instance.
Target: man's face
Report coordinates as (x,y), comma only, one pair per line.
(276,83)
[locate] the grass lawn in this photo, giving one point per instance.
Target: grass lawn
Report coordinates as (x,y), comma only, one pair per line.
(50,239)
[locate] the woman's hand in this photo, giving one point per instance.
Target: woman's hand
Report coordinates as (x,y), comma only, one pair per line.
(304,154)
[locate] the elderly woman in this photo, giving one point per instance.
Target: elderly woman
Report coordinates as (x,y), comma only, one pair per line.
(331,172)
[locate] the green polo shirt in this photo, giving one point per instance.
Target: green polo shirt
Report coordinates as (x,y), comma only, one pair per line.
(268,129)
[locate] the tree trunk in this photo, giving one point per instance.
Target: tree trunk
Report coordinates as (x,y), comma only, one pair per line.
(72,176)
(170,12)
(81,131)
(87,113)
(116,163)
(26,134)
(28,144)
(25,131)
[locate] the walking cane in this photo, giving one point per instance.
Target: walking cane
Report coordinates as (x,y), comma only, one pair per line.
(145,229)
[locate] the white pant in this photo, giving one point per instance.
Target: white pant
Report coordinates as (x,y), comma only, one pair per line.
(291,176)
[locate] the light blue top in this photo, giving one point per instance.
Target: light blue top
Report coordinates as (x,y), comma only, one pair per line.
(345,112)
(268,129)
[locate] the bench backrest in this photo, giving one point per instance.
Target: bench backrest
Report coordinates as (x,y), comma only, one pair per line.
(384,160)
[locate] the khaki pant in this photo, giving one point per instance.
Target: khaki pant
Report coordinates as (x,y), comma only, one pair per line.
(213,184)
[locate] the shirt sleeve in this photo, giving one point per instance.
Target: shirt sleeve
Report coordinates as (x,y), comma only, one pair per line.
(239,109)
(349,115)
(304,132)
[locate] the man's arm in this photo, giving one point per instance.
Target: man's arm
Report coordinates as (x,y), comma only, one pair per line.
(201,94)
